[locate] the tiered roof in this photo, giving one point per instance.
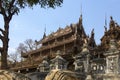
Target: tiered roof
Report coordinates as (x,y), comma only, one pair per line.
(76,29)
(112,33)
(67,30)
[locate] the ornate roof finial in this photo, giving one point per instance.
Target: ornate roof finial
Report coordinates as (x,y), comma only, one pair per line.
(58,52)
(105,23)
(44,33)
(112,23)
(105,28)
(81,9)
(81,15)
(92,33)
(116,24)
(85,46)
(105,20)
(81,19)
(91,41)
(111,17)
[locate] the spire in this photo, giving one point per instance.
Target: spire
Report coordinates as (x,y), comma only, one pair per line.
(92,33)
(91,41)
(105,20)
(44,33)
(112,23)
(81,9)
(105,23)
(80,28)
(80,20)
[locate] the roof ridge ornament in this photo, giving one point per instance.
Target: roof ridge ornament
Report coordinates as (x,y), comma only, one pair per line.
(44,32)
(85,46)
(112,23)
(58,53)
(105,23)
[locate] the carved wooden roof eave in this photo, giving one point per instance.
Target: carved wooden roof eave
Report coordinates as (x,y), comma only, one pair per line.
(44,41)
(67,30)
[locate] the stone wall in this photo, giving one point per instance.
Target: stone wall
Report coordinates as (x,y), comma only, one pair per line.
(9,75)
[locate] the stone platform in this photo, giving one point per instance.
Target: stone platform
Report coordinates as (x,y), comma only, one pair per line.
(10,75)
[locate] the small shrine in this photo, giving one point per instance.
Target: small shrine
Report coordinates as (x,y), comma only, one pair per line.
(82,59)
(58,62)
(44,65)
(78,63)
(112,58)
(112,62)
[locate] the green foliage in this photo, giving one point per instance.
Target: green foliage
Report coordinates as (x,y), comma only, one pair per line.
(10,7)
(50,3)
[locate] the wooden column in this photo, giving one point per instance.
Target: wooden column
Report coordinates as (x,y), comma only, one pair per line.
(64,48)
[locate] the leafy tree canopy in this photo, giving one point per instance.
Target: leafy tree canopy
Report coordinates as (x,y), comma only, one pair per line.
(10,7)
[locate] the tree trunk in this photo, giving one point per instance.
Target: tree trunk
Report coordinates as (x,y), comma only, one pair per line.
(5,41)
(4,60)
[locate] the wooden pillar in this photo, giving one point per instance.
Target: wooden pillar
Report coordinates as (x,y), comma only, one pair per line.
(50,51)
(64,48)
(40,54)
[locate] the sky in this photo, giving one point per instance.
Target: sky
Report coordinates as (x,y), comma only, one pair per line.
(31,23)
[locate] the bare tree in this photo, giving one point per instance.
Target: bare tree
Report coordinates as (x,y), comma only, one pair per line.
(14,57)
(22,48)
(30,44)
(27,46)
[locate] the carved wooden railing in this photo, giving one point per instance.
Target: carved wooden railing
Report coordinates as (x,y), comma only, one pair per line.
(58,43)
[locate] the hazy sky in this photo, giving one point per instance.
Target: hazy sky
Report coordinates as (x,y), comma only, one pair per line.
(30,23)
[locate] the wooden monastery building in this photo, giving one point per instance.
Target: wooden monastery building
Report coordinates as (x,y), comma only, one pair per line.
(71,49)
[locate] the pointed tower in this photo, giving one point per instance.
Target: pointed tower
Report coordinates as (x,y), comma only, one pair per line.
(112,33)
(80,28)
(58,62)
(79,34)
(105,24)
(44,33)
(82,59)
(112,23)
(91,41)
(44,65)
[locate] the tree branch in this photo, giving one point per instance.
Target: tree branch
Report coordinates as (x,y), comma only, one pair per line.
(2,9)
(1,49)
(1,37)
(11,4)
(3,32)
